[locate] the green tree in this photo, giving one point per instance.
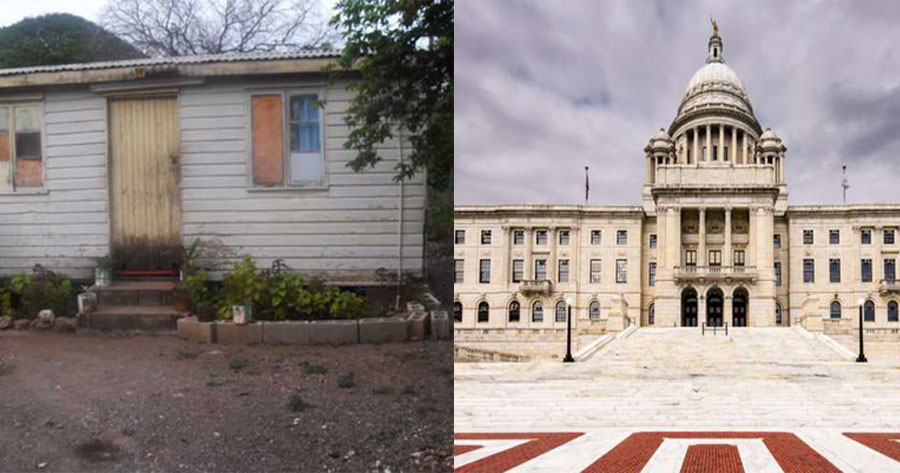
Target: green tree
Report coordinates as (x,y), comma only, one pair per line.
(403,50)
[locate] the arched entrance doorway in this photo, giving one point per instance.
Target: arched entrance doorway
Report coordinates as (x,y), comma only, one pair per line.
(714,305)
(689,308)
(739,308)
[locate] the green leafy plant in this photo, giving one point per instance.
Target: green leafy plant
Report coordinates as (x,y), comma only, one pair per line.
(198,289)
(189,255)
(44,290)
(297,404)
(240,286)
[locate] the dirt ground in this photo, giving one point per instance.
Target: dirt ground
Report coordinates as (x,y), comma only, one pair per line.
(104,402)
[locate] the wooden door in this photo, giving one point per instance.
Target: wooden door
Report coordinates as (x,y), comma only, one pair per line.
(145,189)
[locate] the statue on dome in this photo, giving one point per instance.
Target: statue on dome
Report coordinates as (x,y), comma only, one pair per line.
(714,25)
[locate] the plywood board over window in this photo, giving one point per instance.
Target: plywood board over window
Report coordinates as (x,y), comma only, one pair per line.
(21,155)
(286,136)
(268,140)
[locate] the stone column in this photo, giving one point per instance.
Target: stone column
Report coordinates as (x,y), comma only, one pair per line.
(727,260)
(733,157)
(708,153)
(721,153)
(696,144)
(528,267)
(650,164)
(744,147)
(701,245)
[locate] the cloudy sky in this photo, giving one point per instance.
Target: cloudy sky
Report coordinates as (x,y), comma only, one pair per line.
(544,88)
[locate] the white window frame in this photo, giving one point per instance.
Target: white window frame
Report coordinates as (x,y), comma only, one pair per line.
(286,93)
(12,189)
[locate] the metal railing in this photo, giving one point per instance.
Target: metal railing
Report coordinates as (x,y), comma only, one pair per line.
(714,328)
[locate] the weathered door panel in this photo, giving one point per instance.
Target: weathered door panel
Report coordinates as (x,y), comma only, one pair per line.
(145,189)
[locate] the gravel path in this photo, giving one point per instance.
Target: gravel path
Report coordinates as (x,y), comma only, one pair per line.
(104,402)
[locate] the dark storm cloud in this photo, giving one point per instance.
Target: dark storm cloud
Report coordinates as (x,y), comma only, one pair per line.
(544,88)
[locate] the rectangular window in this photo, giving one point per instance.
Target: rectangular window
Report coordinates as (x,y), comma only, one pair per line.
(715,257)
(563,270)
(21,156)
(518,237)
(540,270)
(865,237)
(809,271)
(890,273)
(834,270)
(738,257)
(653,241)
(458,270)
(725,154)
(563,237)
(621,271)
(485,237)
(622,237)
(303,147)
(834,237)
(778,273)
(776,240)
(690,257)
(888,237)
(460,238)
(595,237)
(866,270)
(518,270)
(540,237)
(651,274)
(595,271)
(484,274)
(306,149)
(808,237)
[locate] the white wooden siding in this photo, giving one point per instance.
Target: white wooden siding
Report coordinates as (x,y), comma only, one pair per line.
(67,227)
(349,227)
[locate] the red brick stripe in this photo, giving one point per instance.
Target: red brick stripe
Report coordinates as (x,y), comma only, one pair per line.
(633,453)
(712,459)
(460,449)
(540,443)
(885,444)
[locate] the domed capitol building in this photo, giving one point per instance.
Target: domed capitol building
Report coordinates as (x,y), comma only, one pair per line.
(714,242)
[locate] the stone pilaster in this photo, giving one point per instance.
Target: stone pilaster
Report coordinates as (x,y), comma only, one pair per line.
(727,257)
(701,245)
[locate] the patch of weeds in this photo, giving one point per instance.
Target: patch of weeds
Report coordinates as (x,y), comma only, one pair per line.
(186,354)
(214,383)
(313,369)
(97,451)
(386,435)
(298,404)
(5,368)
(382,390)
(346,381)
(409,389)
(238,364)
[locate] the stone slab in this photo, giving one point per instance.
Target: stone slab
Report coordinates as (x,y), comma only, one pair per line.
(383,330)
(233,334)
(287,333)
(189,328)
(333,332)
(440,325)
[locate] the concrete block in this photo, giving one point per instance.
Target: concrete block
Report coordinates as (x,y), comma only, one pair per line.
(417,325)
(189,328)
(383,330)
(233,334)
(440,325)
(333,332)
(288,333)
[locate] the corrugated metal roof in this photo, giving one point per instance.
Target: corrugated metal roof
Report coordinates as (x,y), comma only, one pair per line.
(197,59)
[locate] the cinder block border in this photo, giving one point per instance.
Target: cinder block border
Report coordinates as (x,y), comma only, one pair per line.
(316,332)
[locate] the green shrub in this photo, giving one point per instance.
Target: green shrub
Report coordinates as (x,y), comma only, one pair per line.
(44,290)
(199,290)
(242,285)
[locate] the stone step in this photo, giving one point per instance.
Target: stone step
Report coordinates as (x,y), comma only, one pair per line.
(133,317)
(135,293)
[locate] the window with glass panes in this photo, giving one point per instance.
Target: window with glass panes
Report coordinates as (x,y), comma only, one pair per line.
(834,270)
(778,273)
(715,257)
(485,237)
(622,237)
(651,274)
(653,241)
(484,273)
(561,311)
(866,270)
(809,271)
(460,238)
(563,274)
(563,237)
(459,270)
(888,236)
(595,237)
(595,271)
(738,257)
(540,269)
(537,312)
(865,237)
(621,271)
(518,237)
(514,311)
(890,273)
(776,240)
(808,237)
(518,270)
(690,257)
(834,237)
(540,237)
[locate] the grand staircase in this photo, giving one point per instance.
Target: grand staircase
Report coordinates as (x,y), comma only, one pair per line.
(134,305)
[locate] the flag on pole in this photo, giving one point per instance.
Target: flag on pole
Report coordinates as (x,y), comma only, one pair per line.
(587,185)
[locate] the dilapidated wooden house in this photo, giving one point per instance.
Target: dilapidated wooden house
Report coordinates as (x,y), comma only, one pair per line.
(135,158)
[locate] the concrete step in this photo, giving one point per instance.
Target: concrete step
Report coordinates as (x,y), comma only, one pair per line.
(135,293)
(133,317)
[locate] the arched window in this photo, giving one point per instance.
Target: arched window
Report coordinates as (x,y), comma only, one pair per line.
(892,311)
(537,312)
(651,315)
(514,311)
(561,311)
(594,310)
(779,318)
(869,311)
(835,310)
(457,312)
(484,312)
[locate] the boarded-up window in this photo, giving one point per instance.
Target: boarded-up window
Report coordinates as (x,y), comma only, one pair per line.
(21,152)
(268,140)
(5,149)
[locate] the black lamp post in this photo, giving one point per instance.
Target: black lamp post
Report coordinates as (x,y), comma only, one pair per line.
(568,358)
(862,356)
